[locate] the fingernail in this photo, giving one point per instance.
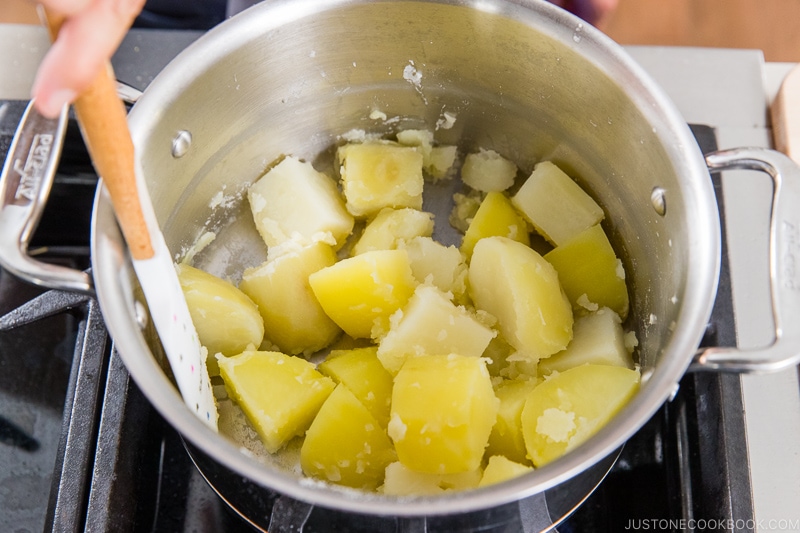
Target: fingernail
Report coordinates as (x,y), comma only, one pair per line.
(51,106)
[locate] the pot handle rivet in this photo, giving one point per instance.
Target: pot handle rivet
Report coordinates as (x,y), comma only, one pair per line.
(658,199)
(181,144)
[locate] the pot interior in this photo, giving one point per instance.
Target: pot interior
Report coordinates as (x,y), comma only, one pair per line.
(524,79)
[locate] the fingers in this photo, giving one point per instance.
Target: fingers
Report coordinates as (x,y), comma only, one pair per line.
(88,38)
(592,11)
(605,7)
(66,7)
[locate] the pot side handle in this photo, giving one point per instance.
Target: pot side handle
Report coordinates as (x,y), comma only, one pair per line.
(784,265)
(25,183)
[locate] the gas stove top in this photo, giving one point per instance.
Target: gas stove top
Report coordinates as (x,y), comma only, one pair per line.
(82,449)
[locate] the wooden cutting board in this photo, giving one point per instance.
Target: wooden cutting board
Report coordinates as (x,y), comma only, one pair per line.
(785,114)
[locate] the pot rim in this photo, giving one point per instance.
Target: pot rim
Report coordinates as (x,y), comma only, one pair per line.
(112,270)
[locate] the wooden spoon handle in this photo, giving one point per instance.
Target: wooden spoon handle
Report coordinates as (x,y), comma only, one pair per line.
(104,125)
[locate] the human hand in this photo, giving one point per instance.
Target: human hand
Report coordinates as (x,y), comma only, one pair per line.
(592,11)
(90,34)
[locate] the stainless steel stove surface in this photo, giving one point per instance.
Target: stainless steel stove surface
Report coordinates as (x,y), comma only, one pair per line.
(82,449)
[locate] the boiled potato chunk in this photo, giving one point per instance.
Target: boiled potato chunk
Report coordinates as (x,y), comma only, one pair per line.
(360,293)
(437,161)
(464,208)
(294,201)
(486,171)
(443,409)
(402,481)
(345,444)
(495,217)
(520,368)
(589,270)
(392,227)
(597,338)
(515,284)
(499,469)
(294,321)
(226,320)
(441,162)
(377,175)
(431,324)
(555,205)
(280,394)
(506,437)
(360,370)
(438,265)
(569,407)
(421,139)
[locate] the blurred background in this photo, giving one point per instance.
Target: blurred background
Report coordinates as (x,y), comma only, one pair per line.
(769,25)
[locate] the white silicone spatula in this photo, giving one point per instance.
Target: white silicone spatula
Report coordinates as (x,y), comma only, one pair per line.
(103,120)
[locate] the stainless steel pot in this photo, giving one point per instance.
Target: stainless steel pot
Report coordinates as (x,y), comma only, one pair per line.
(521,77)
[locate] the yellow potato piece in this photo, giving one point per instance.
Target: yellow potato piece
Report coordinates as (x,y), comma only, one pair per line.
(506,437)
(499,469)
(422,140)
(280,394)
(436,264)
(402,481)
(568,408)
(360,293)
(598,339)
(516,285)
(392,227)
(590,271)
(495,217)
(555,205)
(440,164)
(293,319)
(345,444)
(361,371)
(488,171)
(464,208)
(377,175)
(437,161)
(294,201)
(443,409)
(226,320)
(430,324)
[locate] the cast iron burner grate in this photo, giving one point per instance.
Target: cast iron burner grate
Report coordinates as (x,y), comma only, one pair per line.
(118,466)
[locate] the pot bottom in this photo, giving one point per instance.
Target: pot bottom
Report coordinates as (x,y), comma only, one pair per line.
(267,510)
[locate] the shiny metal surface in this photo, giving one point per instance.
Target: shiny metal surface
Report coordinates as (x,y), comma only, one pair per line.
(784,240)
(27,177)
(529,81)
(128,93)
(270,511)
